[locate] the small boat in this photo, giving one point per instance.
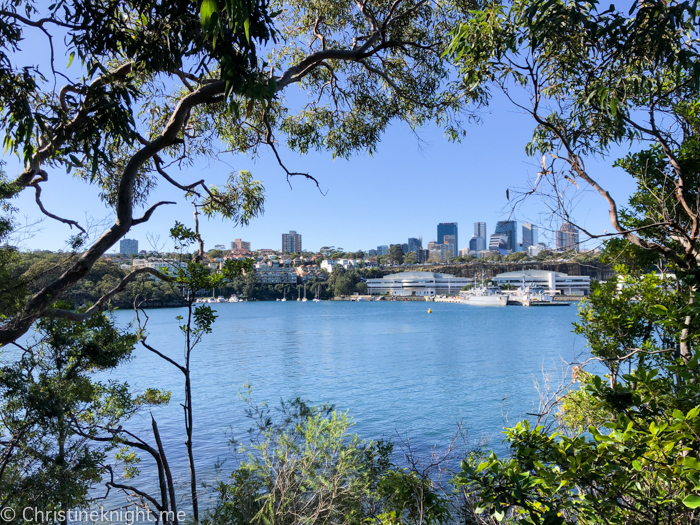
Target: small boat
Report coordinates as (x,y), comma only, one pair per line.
(234,299)
(220,299)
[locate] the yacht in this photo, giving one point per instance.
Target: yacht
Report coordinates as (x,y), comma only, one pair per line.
(304,299)
(234,299)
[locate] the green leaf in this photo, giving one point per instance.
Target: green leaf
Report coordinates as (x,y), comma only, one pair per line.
(70,59)
(659,309)
(691,501)
(209,7)
(246,26)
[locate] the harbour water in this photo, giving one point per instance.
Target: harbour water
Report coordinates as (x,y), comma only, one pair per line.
(393,366)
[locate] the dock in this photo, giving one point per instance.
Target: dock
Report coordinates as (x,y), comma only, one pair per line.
(516,301)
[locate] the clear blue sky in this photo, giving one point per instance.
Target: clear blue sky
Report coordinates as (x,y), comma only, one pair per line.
(403,191)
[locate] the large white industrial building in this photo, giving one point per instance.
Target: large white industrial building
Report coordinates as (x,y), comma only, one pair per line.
(422,284)
(550,281)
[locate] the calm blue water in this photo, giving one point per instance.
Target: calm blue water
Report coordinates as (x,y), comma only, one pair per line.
(395,367)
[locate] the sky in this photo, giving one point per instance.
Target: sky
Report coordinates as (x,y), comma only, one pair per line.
(410,185)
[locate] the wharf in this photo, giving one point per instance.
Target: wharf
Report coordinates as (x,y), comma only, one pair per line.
(514,301)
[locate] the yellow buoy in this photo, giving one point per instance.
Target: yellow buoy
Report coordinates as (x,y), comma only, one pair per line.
(430,311)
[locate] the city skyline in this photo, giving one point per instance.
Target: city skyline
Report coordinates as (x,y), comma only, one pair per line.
(345,211)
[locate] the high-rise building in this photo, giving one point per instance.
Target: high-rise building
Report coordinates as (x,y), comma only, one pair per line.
(567,237)
(291,242)
(128,246)
(240,245)
(499,243)
(415,244)
(477,244)
(422,255)
(529,235)
(510,229)
(480,229)
(448,228)
(382,249)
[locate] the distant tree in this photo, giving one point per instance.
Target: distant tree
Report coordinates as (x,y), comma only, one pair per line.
(410,258)
(215,254)
(343,285)
(251,285)
(395,254)
(516,257)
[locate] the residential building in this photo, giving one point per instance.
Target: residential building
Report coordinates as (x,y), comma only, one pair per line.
(567,237)
(415,244)
(272,273)
(477,244)
(329,264)
(240,245)
(161,265)
(510,229)
(448,228)
(291,242)
(480,230)
(422,255)
(529,235)
(464,252)
(128,247)
(551,281)
(417,284)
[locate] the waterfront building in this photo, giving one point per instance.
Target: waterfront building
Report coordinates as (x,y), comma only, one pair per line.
(240,245)
(551,281)
(159,264)
(272,273)
(128,247)
(448,228)
(567,237)
(420,284)
(499,243)
(529,236)
(476,243)
(510,229)
(480,230)
(291,242)
(415,244)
